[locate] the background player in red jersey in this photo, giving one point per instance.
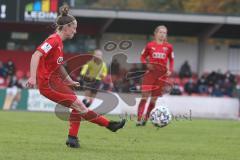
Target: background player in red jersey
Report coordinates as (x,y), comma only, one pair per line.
(156,55)
(54,83)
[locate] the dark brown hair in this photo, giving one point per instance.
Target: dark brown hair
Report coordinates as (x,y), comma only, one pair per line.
(64,18)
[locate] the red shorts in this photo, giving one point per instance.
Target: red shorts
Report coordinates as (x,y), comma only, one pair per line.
(57,91)
(155,82)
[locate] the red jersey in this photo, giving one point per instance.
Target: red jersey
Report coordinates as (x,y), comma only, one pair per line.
(49,77)
(49,64)
(158,54)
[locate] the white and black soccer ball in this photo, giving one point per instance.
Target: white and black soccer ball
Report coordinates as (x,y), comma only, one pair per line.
(160,116)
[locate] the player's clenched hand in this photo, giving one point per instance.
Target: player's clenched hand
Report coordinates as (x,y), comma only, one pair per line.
(168,73)
(31,83)
(74,84)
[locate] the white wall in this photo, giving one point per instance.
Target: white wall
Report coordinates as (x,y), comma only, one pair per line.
(200,107)
(203,107)
(215,58)
(185,52)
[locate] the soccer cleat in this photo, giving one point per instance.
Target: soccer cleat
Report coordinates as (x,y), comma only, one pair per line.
(114,126)
(141,123)
(87,104)
(72,142)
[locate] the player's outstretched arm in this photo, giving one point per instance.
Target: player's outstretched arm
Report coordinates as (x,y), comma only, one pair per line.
(33,69)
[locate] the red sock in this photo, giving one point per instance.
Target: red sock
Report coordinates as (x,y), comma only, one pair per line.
(150,108)
(93,117)
(74,121)
(141,108)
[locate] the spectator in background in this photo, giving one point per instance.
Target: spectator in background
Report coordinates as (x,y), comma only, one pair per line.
(236,91)
(10,68)
(212,78)
(228,87)
(115,67)
(2,70)
(217,91)
(202,86)
(190,87)
(233,83)
(14,82)
(185,70)
(215,77)
(176,90)
(22,82)
(230,77)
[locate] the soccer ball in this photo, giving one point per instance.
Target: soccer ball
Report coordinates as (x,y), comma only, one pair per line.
(160,116)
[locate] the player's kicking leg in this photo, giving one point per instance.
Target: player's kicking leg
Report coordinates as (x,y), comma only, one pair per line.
(93,117)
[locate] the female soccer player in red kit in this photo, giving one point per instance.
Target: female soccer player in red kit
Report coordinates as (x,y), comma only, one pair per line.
(156,55)
(54,83)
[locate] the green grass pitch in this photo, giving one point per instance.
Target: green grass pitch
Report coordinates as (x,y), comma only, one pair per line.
(41,136)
